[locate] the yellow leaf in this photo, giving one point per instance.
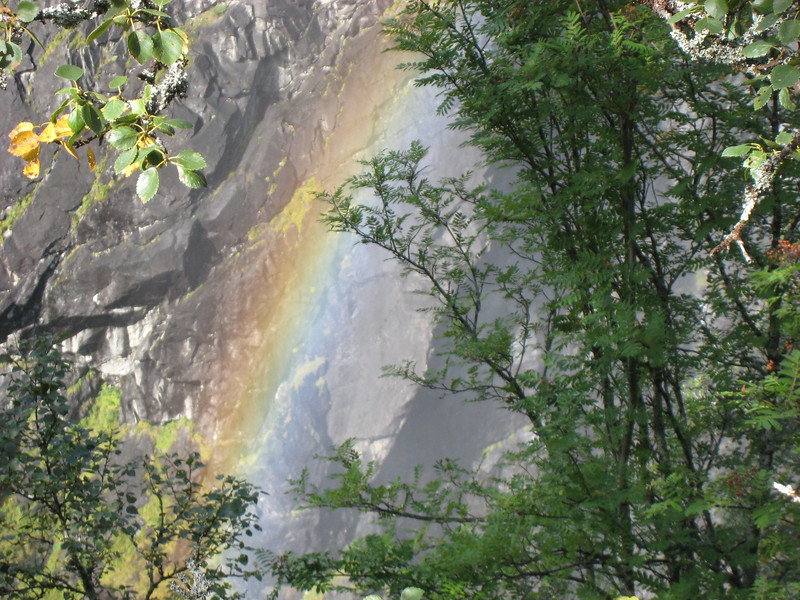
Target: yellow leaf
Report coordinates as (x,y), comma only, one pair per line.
(31,169)
(69,150)
(24,126)
(48,134)
(62,127)
(25,144)
(145,142)
(56,130)
(90,156)
(128,171)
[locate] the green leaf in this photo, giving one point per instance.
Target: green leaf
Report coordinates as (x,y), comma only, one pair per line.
(192,179)
(147,184)
(716,8)
(783,138)
(166,129)
(785,98)
(789,31)
(181,34)
(741,150)
(33,37)
(784,76)
(98,31)
(27,11)
(118,82)
(93,119)
(762,97)
(137,107)
(73,137)
(128,119)
(10,53)
(155,13)
(179,124)
(122,138)
(682,14)
(168,46)
(102,98)
(766,22)
(70,91)
(696,507)
(778,6)
(16,51)
(756,49)
(75,121)
(768,514)
(411,593)
(191,160)
(55,114)
(114,109)
(6,57)
(140,45)
(125,159)
(709,23)
(70,72)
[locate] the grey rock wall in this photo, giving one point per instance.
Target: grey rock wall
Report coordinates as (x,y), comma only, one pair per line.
(154,296)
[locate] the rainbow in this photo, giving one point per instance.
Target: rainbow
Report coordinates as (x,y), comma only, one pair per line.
(343,312)
(315,269)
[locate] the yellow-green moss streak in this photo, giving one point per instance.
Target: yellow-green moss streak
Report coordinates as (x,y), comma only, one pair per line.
(97,193)
(14,215)
(206,18)
(55,44)
(104,412)
(76,387)
(296,211)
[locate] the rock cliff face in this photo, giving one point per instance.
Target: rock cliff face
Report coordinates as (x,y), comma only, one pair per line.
(180,301)
(154,296)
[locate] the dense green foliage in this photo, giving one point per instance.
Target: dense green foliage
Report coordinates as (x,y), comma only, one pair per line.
(85,513)
(659,379)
